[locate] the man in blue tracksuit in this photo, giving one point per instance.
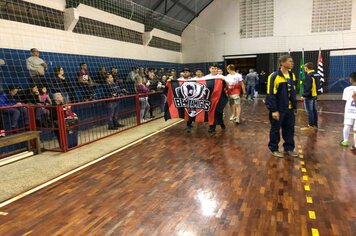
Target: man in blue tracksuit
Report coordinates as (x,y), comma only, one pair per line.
(282,103)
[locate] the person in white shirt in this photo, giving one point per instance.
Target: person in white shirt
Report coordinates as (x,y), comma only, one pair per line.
(198,74)
(349,95)
(235,86)
(219,116)
(37,67)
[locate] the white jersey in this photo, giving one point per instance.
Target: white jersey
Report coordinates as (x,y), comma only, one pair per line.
(350,109)
(234,79)
(217,76)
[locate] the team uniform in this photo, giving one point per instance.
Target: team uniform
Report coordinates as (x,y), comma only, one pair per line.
(234,88)
(310,97)
(350,113)
(281,97)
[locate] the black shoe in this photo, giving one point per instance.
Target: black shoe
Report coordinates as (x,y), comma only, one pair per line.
(223,126)
(113,128)
(189,129)
(119,125)
(211,130)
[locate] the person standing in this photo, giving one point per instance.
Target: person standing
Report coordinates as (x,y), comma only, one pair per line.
(219,111)
(234,86)
(37,68)
(310,96)
(263,82)
(350,112)
(282,104)
(186,75)
(251,81)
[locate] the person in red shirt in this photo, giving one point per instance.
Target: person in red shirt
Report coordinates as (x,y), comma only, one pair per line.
(234,87)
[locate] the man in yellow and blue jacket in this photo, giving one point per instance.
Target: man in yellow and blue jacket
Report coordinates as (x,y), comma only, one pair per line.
(310,85)
(282,104)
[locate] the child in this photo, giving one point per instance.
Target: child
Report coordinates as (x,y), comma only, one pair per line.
(45,99)
(350,112)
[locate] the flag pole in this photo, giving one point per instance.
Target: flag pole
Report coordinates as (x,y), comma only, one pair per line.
(301,74)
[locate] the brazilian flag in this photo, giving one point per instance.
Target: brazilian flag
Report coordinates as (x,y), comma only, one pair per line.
(301,75)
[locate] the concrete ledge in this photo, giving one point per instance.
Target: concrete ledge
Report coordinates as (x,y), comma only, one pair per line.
(20,176)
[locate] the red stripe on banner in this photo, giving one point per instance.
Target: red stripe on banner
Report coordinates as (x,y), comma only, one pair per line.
(201,116)
(214,98)
(173,111)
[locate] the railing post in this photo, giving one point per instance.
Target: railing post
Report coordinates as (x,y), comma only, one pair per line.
(31,117)
(62,129)
(138,108)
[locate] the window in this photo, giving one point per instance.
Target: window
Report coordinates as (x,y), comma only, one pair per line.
(256,18)
(331,15)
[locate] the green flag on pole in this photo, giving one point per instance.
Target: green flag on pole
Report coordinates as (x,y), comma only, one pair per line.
(301,75)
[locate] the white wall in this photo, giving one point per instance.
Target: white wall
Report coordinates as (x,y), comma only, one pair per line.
(216,32)
(25,36)
(55,4)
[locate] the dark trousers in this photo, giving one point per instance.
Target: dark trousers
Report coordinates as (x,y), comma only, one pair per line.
(113,110)
(17,115)
(189,122)
(286,122)
(310,107)
(219,120)
(250,91)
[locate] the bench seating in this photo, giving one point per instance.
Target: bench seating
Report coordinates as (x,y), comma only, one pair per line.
(23,137)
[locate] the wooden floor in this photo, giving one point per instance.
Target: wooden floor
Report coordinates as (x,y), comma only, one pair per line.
(197,184)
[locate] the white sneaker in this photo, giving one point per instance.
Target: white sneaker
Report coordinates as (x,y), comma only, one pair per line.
(232,117)
(237,120)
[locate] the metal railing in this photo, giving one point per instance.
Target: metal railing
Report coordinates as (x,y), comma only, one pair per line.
(69,126)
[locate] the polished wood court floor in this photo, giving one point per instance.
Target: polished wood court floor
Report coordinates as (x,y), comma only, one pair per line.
(199,184)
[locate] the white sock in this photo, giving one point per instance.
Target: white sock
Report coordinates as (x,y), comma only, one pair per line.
(354,138)
(346,132)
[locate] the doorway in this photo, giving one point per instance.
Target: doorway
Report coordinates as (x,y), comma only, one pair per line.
(242,64)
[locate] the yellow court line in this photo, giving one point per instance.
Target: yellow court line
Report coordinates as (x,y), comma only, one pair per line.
(306,187)
(305,177)
(303,169)
(315,232)
(302,162)
(309,200)
(312,215)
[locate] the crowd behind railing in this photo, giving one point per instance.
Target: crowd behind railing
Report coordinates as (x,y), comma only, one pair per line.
(54,88)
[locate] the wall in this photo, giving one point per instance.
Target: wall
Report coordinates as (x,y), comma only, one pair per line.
(216,32)
(17,35)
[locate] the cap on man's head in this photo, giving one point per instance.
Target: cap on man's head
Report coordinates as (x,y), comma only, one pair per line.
(185,69)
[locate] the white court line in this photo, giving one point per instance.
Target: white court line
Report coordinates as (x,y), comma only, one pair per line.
(28,192)
(326,112)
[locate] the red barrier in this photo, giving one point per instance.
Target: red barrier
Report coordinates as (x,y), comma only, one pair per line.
(95,120)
